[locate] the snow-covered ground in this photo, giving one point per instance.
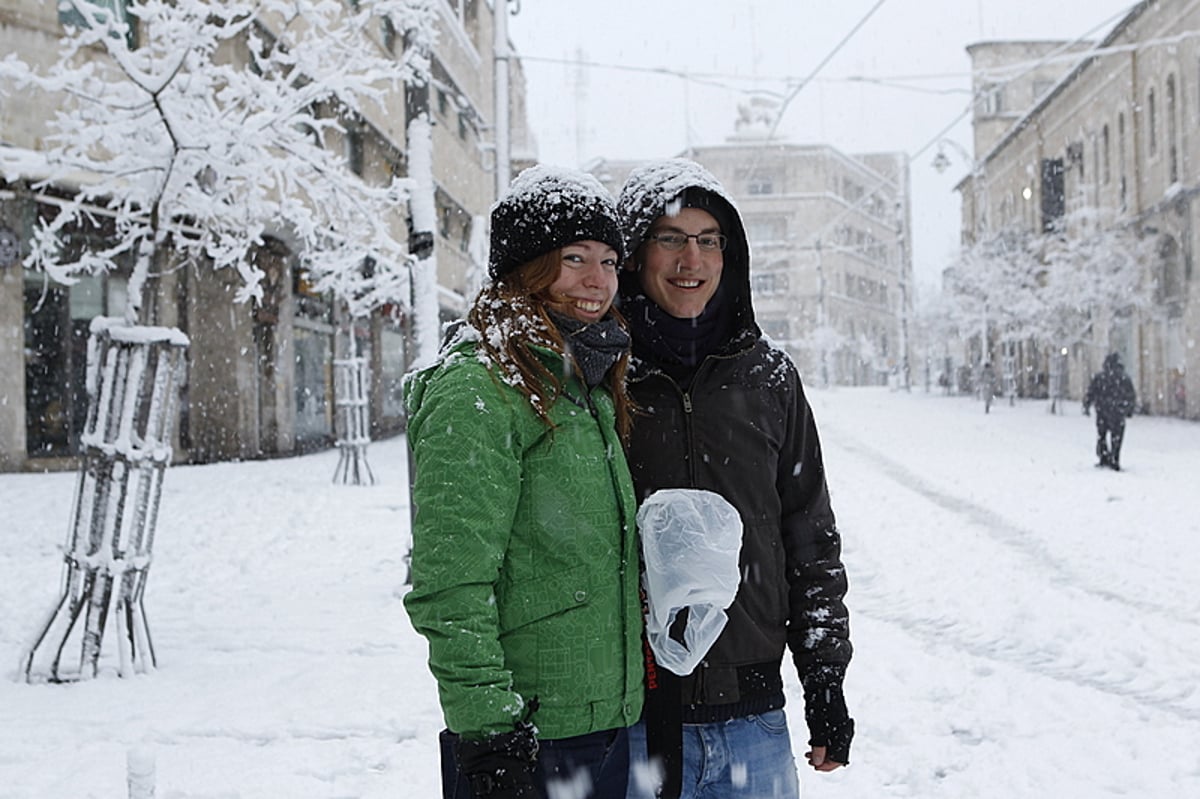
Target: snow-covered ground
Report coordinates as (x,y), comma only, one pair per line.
(1025,624)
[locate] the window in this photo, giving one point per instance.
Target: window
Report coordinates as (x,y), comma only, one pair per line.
(1121,158)
(1172,133)
(763,230)
(354,149)
(760,183)
(1151,125)
(1106,162)
(56,328)
(1040,87)
(991,100)
(1075,158)
(770,283)
(1053,193)
(69,17)
(389,35)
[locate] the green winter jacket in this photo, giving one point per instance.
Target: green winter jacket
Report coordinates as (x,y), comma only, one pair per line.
(524,561)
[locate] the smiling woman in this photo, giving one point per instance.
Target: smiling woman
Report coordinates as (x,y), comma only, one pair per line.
(524,563)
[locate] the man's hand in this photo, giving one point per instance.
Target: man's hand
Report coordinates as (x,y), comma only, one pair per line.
(816,759)
(829,724)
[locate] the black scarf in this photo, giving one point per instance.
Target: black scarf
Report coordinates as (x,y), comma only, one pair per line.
(664,340)
(595,347)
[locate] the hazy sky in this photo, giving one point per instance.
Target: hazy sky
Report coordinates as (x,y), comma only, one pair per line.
(660,75)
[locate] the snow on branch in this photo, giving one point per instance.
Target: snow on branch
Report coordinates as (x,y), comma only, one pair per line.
(218,130)
(1051,286)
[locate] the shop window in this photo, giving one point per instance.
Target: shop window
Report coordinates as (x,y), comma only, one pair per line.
(57,319)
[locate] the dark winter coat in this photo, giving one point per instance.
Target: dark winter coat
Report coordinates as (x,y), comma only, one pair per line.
(524,552)
(740,425)
(1111,391)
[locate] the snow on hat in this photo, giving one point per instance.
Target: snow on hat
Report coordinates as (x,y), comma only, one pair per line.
(546,208)
(663,187)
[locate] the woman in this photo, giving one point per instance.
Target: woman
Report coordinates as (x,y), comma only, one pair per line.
(525,567)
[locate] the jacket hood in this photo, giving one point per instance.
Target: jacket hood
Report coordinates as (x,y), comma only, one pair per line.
(1112,363)
(664,188)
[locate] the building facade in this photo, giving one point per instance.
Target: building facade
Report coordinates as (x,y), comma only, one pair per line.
(1111,145)
(260,376)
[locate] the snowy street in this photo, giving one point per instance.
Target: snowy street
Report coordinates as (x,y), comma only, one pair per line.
(1025,624)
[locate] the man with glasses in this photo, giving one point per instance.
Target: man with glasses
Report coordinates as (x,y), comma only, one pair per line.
(723,410)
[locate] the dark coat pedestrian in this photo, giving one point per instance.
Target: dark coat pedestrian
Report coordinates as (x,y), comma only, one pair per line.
(1111,391)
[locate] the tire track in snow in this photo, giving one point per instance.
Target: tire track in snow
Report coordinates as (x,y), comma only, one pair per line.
(1127,680)
(1163,695)
(1011,535)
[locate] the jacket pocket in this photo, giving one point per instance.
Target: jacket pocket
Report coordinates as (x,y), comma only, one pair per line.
(528,601)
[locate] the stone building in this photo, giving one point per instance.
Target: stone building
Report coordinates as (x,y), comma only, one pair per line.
(260,376)
(1113,143)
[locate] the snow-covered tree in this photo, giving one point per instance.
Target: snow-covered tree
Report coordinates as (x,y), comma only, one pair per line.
(1052,287)
(216,131)
(993,286)
(1098,269)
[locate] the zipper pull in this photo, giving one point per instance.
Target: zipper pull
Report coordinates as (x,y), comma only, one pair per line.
(687,402)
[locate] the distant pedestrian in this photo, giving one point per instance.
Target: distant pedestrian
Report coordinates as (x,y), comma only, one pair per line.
(987,385)
(1111,391)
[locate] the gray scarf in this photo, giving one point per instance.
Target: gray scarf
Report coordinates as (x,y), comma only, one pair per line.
(594,347)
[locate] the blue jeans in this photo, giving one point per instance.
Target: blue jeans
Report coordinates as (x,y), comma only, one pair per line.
(744,758)
(592,766)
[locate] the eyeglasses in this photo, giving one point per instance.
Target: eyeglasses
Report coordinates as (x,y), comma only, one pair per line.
(712,242)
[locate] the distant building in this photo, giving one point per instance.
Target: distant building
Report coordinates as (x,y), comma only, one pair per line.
(1112,137)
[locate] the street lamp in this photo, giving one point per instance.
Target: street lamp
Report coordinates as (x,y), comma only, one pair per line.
(941,162)
(978,216)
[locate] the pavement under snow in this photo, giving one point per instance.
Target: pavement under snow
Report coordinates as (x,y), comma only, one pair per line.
(1025,624)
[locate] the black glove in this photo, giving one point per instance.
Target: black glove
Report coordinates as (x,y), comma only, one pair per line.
(1085,411)
(829,723)
(501,766)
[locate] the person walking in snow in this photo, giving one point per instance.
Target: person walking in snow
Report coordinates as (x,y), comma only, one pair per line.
(987,386)
(723,410)
(524,559)
(1111,391)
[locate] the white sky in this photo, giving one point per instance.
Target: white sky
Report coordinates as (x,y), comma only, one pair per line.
(1025,625)
(619,109)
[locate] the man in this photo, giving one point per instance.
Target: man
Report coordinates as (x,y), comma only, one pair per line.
(1111,391)
(723,410)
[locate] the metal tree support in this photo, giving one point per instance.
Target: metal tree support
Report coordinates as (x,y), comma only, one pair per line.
(354,422)
(133,382)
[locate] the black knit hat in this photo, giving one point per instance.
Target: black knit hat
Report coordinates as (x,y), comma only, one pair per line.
(546,208)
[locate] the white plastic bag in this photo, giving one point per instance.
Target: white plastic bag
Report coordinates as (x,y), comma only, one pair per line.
(691,540)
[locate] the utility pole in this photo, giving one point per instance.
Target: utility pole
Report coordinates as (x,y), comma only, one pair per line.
(500,66)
